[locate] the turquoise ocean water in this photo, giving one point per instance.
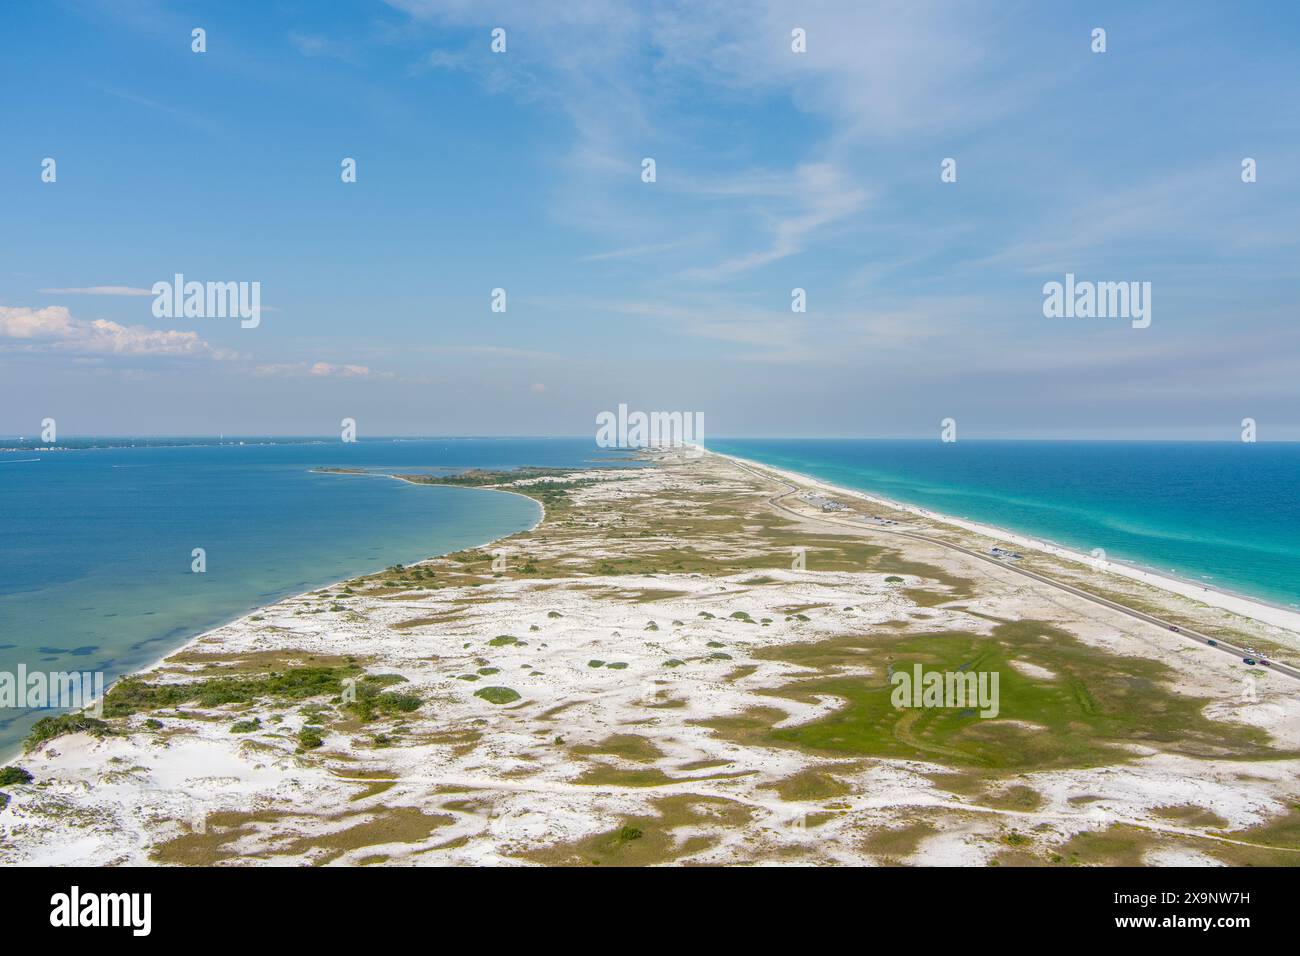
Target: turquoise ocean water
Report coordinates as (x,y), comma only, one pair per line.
(1224,514)
(95,562)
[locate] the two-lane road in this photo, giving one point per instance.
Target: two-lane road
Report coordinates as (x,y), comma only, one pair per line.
(1215,643)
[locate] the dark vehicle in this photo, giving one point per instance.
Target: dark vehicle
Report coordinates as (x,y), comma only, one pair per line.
(1248,660)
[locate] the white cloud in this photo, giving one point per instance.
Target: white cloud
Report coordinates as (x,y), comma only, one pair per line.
(98,290)
(799,205)
(632,252)
(53,329)
(321,370)
(879,69)
(876,71)
(312,45)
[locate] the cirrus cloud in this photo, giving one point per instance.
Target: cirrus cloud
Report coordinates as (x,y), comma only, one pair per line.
(98,290)
(321,370)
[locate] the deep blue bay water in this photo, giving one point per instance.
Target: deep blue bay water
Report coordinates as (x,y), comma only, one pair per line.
(1225,514)
(95,564)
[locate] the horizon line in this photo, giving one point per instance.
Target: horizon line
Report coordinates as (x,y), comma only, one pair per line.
(223,437)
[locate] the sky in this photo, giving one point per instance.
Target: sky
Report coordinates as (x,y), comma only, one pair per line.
(774,170)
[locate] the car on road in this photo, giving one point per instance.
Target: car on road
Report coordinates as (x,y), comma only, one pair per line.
(1248,660)
(1265,663)
(1172,628)
(1213,643)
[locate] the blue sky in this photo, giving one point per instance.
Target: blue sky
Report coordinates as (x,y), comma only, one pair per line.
(775,170)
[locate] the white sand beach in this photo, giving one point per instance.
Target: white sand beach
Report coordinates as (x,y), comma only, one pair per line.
(1247,607)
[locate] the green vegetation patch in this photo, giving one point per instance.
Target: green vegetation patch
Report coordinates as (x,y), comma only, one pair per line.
(628,746)
(895,843)
(9,776)
(497,695)
(133,694)
(1098,703)
(47,728)
(813,784)
(653,839)
(1195,816)
(371,701)
(227,835)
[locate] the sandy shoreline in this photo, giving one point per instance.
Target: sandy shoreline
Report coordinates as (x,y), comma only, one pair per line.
(1252,608)
(197,638)
(14,753)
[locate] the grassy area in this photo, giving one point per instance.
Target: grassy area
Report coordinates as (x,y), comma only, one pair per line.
(671,833)
(267,835)
(133,694)
(1097,704)
(628,746)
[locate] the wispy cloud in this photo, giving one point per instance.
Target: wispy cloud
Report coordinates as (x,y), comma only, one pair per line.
(99,290)
(321,370)
(1202,206)
(621,74)
(315,45)
(187,117)
(769,336)
(813,196)
(636,252)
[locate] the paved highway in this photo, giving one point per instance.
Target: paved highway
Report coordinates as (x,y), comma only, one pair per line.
(1215,643)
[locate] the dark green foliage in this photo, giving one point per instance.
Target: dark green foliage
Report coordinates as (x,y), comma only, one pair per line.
(132,695)
(13,775)
(498,695)
(47,728)
(373,701)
